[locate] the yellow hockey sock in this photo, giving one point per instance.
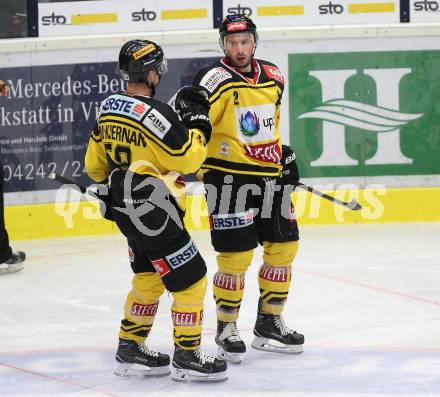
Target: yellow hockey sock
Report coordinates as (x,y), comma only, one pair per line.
(187,313)
(141,306)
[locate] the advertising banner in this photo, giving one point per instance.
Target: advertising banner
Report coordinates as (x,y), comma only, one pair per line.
(116,16)
(425,10)
(366,113)
(320,12)
(46,120)
(353,109)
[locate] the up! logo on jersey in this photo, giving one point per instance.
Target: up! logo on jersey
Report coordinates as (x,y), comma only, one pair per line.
(249,124)
(255,124)
(274,73)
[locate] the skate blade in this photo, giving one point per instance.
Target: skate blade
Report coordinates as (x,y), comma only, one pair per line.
(140,371)
(235,358)
(187,375)
(4,268)
(268,345)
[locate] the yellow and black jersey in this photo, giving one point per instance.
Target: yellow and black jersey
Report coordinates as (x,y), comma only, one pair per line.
(144,135)
(245,115)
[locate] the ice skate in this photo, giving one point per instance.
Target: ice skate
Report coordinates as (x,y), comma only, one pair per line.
(271,334)
(230,346)
(14,263)
(135,359)
(194,366)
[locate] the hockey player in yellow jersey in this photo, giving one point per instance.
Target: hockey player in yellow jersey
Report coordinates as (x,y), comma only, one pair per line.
(251,176)
(140,146)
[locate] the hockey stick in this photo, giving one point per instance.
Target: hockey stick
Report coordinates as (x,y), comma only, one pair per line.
(103,200)
(66,181)
(352,205)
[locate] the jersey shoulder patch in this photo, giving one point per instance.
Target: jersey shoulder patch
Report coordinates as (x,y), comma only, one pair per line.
(124,106)
(157,123)
(212,79)
(273,72)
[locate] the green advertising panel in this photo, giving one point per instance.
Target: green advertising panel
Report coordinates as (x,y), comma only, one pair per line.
(365,113)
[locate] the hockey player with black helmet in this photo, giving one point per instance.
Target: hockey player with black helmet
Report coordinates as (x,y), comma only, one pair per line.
(141,147)
(245,153)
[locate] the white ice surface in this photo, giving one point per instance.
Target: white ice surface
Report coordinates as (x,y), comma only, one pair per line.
(366,297)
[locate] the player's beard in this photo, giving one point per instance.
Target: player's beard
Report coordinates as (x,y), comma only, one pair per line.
(235,65)
(152,87)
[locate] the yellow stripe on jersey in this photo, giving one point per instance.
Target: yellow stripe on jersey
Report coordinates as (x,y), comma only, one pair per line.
(238,85)
(235,168)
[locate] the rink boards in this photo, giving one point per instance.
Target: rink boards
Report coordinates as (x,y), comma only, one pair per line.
(78,218)
(360,109)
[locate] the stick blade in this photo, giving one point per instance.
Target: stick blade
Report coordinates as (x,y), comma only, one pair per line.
(354,205)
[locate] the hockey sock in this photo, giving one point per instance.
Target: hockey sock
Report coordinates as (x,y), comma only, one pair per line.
(274,276)
(187,313)
(229,283)
(141,306)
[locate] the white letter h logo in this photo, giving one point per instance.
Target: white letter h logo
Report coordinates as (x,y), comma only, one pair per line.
(333,134)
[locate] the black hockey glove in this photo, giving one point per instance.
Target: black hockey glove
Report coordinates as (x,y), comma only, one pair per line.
(192,106)
(289,173)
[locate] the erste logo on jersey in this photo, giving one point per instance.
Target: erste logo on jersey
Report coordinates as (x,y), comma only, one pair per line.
(255,124)
(157,123)
(117,104)
(214,77)
(176,259)
(139,109)
(182,256)
(231,221)
(161,266)
(120,104)
(273,73)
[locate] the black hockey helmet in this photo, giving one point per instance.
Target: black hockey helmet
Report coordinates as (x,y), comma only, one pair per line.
(234,23)
(137,57)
